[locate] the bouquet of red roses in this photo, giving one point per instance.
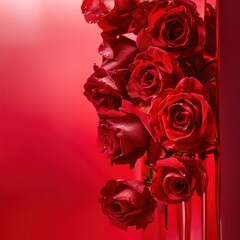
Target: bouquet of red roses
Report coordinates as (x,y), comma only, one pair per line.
(155,95)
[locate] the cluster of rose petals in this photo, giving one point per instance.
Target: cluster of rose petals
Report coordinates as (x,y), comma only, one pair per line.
(155,96)
(183,119)
(122,136)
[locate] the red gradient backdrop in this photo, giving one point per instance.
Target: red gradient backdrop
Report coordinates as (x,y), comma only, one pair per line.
(51,170)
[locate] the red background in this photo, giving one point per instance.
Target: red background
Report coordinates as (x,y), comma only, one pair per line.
(50,167)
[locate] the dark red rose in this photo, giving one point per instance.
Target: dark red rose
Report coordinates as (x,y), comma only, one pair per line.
(117,52)
(122,137)
(127,203)
(183,119)
(155,152)
(202,67)
(113,16)
(208,70)
(152,72)
(140,16)
(177,178)
(176,27)
(106,89)
(213,94)
(210,23)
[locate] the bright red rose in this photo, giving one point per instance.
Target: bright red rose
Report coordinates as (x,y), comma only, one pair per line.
(177,178)
(127,203)
(122,137)
(117,53)
(176,27)
(152,72)
(106,89)
(113,16)
(183,119)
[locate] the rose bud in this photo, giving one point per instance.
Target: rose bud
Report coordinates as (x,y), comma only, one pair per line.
(122,137)
(152,72)
(183,119)
(106,89)
(176,27)
(177,178)
(127,203)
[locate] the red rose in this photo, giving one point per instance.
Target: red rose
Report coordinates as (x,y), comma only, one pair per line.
(94,10)
(176,27)
(113,16)
(117,52)
(177,178)
(183,119)
(127,203)
(106,89)
(122,137)
(152,72)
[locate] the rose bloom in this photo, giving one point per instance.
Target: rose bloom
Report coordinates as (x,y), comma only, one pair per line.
(122,137)
(113,16)
(152,72)
(183,119)
(176,27)
(106,89)
(127,203)
(176,179)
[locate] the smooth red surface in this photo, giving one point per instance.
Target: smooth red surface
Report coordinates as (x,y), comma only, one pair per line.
(51,170)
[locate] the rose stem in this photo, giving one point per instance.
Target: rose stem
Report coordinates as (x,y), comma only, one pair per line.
(183,221)
(186,219)
(204,216)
